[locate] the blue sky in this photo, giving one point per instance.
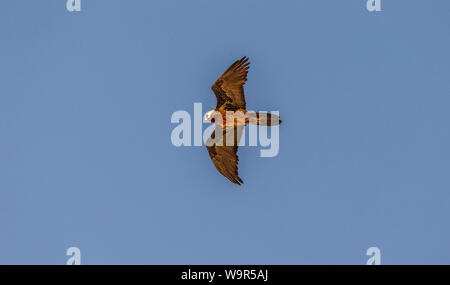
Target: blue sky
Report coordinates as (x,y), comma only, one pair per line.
(86,158)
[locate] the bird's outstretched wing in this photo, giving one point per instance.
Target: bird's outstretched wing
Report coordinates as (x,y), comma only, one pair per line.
(229,88)
(222,148)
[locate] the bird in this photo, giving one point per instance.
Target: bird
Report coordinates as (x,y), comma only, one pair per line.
(230,118)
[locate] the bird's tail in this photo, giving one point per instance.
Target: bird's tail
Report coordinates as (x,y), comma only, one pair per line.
(264,119)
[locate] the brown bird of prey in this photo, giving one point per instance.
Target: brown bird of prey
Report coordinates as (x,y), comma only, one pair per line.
(230,118)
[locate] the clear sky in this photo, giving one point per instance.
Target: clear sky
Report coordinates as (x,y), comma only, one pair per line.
(86,158)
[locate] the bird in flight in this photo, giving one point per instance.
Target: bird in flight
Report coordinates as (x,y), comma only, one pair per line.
(230,118)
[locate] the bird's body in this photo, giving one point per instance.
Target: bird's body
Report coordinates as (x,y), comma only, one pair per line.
(230,117)
(240,117)
(226,118)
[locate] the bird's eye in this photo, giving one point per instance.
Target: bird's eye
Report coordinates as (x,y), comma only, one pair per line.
(213,120)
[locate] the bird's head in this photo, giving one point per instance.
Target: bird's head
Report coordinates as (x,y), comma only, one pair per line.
(209,117)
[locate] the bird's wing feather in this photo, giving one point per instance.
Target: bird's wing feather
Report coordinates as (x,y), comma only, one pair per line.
(222,148)
(229,88)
